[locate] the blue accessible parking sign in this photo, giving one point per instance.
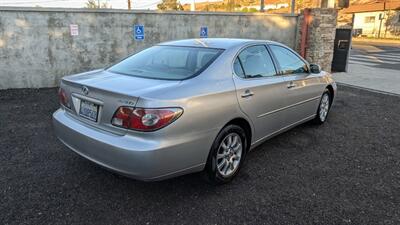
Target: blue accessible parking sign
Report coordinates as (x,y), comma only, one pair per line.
(203,32)
(138,31)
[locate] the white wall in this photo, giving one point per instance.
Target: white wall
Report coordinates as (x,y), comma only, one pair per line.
(372,29)
(369,29)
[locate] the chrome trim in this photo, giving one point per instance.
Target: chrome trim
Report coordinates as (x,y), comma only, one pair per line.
(98,102)
(282,129)
(286,107)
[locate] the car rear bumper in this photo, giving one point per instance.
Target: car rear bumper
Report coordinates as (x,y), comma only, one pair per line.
(136,157)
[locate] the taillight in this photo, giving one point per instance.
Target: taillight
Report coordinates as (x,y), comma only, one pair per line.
(145,119)
(63,98)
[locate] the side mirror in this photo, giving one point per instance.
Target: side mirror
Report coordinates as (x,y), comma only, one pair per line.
(315,68)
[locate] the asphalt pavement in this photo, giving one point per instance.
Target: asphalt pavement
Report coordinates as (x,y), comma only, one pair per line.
(346,171)
(373,64)
(384,55)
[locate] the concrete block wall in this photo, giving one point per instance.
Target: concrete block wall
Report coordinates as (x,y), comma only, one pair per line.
(37,49)
(320,36)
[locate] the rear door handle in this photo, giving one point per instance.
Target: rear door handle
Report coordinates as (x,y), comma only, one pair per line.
(247,94)
(291,85)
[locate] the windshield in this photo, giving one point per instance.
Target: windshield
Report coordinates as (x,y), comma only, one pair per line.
(167,62)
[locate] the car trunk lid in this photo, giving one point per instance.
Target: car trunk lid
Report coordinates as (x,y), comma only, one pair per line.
(95,96)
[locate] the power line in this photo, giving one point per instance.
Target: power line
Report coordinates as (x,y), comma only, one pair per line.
(135,5)
(49,1)
(36,2)
(147,4)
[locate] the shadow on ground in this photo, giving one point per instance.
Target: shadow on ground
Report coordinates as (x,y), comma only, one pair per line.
(344,172)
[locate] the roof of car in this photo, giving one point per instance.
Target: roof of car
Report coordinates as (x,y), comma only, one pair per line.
(224,43)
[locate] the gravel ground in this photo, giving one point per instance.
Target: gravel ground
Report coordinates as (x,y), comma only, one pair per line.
(344,172)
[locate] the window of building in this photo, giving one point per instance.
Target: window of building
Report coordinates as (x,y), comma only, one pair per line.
(369,19)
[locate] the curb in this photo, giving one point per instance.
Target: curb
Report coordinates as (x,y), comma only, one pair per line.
(369,89)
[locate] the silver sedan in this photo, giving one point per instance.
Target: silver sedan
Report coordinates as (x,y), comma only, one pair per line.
(190,105)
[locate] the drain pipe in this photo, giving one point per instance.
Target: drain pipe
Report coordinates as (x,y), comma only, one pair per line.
(304,32)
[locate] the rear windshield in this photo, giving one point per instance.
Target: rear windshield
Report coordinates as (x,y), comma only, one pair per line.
(167,62)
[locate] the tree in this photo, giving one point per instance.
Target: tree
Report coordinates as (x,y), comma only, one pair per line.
(253,10)
(393,18)
(93,4)
(170,5)
(230,5)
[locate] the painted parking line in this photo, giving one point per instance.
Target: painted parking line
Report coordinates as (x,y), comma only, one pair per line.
(362,60)
(362,63)
(393,55)
(391,58)
(363,57)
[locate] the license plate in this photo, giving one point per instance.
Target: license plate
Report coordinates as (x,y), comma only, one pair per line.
(89,110)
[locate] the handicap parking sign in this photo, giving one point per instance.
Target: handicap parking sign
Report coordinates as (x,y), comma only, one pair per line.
(138,31)
(203,32)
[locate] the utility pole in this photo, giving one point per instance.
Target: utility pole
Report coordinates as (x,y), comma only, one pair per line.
(292,7)
(193,5)
(262,6)
(381,17)
(129,4)
(98,4)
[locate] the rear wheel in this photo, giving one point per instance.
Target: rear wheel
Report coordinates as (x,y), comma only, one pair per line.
(323,108)
(227,155)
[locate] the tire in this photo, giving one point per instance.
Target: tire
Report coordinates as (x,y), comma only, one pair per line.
(323,108)
(233,155)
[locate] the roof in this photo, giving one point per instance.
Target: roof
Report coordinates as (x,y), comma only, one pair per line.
(224,43)
(372,7)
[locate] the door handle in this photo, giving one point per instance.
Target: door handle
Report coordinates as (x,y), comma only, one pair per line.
(247,94)
(291,85)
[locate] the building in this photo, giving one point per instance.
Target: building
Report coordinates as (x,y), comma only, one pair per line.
(378,20)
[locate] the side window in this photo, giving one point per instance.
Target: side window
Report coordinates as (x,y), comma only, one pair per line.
(255,62)
(238,68)
(288,61)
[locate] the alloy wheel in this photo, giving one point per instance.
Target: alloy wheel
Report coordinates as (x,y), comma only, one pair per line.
(229,154)
(324,107)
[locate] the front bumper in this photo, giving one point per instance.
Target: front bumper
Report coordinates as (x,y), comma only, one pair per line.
(137,157)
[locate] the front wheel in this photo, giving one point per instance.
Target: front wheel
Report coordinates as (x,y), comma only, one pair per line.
(227,155)
(323,108)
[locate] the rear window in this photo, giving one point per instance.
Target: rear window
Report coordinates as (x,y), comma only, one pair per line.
(167,62)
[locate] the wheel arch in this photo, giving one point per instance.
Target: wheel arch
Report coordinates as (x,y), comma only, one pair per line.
(243,123)
(331,91)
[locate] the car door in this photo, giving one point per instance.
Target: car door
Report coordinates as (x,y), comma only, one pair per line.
(259,89)
(303,87)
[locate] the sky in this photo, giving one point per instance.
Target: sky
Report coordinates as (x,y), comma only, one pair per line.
(116,4)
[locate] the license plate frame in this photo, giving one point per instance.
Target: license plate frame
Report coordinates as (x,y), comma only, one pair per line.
(89,110)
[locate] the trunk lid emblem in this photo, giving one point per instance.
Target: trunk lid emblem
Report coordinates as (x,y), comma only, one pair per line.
(85,90)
